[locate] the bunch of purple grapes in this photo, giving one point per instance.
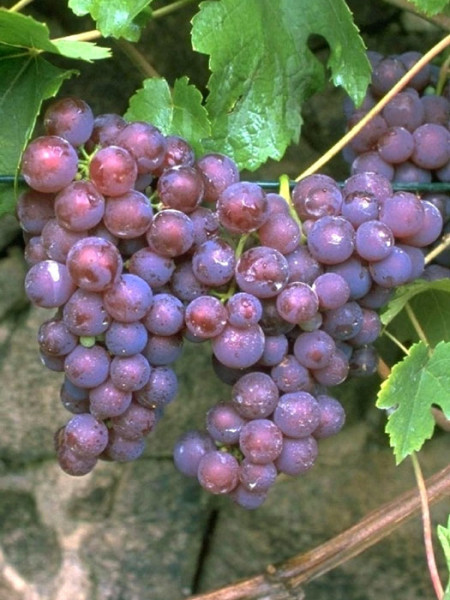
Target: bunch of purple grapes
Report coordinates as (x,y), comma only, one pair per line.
(409,140)
(141,247)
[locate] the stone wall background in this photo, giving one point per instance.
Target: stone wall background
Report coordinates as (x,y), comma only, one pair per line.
(141,531)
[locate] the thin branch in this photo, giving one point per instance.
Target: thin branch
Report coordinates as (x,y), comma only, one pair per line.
(443,76)
(426,520)
(19,5)
(417,326)
(94,34)
(137,58)
(283,581)
(84,36)
(165,10)
(340,144)
(443,245)
(397,342)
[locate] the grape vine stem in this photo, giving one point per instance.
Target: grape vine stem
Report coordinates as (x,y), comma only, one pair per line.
(426,58)
(138,59)
(417,326)
(283,581)
(95,34)
(165,10)
(397,342)
(19,5)
(428,540)
(443,245)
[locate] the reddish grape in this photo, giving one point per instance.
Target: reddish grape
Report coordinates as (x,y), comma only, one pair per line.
(49,163)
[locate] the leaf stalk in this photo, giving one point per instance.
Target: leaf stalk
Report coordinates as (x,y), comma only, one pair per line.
(165,10)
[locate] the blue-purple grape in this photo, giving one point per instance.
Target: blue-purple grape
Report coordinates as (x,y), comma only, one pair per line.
(189,449)
(48,284)
(239,348)
(332,416)
(125,339)
(107,400)
(94,264)
(314,349)
(224,423)
(218,472)
(297,455)
(331,240)
(262,271)
(213,262)
(255,395)
(87,367)
(261,441)
(297,414)
(290,376)
(160,389)
(128,299)
(85,435)
(130,373)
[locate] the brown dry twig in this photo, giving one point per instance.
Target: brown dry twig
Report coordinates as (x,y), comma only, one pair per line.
(284,581)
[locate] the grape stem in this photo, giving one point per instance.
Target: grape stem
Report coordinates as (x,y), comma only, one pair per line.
(397,342)
(84,36)
(165,10)
(443,76)
(426,520)
(438,249)
(224,296)
(285,192)
(417,326)
(283,581)
(19,5)
(94,34)
(137,58)
(426,58)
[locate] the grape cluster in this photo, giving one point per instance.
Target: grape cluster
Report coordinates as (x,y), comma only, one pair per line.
(310,320)
(141,247)
(409,141)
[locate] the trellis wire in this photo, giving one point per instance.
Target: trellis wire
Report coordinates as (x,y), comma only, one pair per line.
(436,186)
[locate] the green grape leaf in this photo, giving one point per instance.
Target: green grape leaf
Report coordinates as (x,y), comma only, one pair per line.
(116,18)
(19,32)
(25,82)
(179,112)
(444,539)
(420,380)
(81,50)
(405,293)
(431,7)
(262,69)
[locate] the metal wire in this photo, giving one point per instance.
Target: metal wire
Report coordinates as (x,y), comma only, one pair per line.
(436,186)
